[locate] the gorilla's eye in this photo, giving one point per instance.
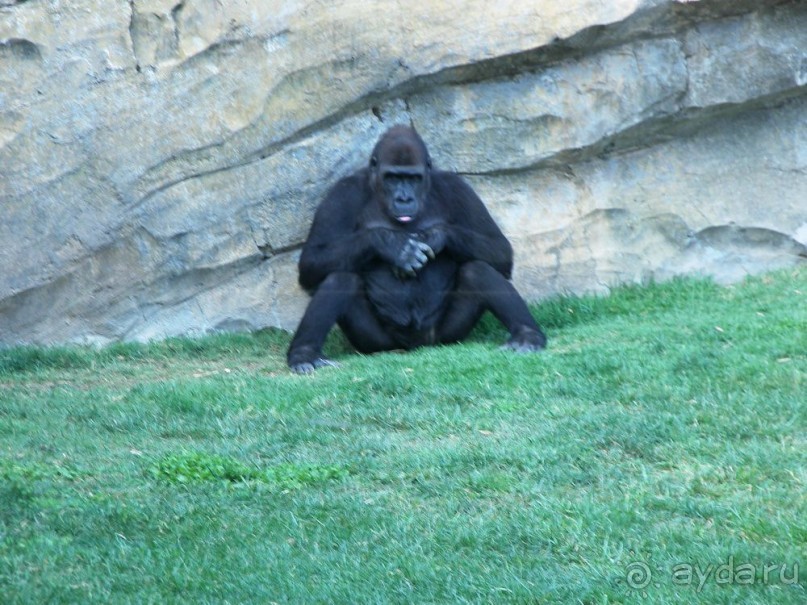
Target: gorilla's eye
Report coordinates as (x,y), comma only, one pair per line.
(403,178)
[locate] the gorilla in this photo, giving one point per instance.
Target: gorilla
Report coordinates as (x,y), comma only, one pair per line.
(401,255)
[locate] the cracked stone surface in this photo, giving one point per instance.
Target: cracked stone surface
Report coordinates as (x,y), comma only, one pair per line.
(160,160)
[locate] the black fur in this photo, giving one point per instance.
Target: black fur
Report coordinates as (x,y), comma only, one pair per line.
(401,255)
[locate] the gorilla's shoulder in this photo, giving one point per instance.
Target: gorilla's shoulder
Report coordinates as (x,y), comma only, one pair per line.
(359,179)
(444,179)
(451,186)
(352,187)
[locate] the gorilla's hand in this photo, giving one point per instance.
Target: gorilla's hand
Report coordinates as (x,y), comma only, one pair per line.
(412,257)
(406,254)
(435,238)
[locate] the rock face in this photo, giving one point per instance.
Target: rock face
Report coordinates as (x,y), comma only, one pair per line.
(160,160)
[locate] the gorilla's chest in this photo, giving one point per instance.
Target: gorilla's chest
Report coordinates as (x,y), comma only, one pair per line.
(413,304)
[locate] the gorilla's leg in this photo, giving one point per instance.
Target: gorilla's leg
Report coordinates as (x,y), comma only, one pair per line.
(481,288)
(339,298)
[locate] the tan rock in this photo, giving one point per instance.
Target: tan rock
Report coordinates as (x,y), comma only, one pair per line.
(160,160)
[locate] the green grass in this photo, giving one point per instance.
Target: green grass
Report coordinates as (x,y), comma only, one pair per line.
(665,430)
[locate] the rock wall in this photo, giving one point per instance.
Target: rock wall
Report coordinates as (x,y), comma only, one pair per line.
(160,160)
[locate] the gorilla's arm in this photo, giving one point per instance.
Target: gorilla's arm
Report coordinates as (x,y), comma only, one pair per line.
(468,231)
(331,245)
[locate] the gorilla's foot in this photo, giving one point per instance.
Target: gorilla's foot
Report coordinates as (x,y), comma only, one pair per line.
(305,360)
(526,340)
(306,367)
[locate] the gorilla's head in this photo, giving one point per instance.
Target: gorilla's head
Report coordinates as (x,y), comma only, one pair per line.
(400,173)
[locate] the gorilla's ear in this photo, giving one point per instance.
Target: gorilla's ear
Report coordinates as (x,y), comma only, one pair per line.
(373,162)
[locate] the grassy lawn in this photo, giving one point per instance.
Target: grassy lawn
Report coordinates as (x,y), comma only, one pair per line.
(656,453)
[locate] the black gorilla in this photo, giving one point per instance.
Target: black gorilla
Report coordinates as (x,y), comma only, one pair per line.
(401,255)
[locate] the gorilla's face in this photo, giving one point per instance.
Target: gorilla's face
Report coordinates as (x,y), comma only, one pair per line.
(404,190)
(400,174)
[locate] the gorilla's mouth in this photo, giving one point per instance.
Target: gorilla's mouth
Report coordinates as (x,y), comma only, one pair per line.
(404,219)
